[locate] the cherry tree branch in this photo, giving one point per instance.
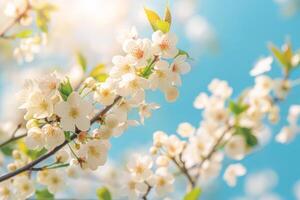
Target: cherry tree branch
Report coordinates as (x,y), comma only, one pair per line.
(14,21)
(13,137)
(30,165)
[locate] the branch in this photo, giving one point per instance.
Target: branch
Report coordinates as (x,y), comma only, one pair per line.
(29,166)
(145,196)
(10,24)
(184,171)
(13,137)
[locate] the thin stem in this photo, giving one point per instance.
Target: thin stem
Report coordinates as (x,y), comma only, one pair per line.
(184,171)
(13,137)
(210,154)
(145,196)
(54,165)
(10,24)
(30,165)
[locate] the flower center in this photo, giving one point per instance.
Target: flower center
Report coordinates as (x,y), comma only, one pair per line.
(139,169)
(44,105)
(52,85)
(138,53)
(164,45)
(131,185)
(93,151)
(105,93)
(25,187)
(161,182)
(55,180)
(74,113)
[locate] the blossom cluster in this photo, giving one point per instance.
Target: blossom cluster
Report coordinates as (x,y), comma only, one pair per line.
(229,126)
(24,12)
(59,114)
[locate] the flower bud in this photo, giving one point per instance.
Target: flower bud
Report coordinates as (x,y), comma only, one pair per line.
(162,161)
(32,123)
(16,154)
(11,167)
(153,150)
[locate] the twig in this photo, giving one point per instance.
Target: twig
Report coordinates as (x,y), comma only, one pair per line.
(145,196)
(9,25)
(13,137)
(30,165)
(185,171)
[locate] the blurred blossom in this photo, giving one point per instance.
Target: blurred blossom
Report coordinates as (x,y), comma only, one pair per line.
(200,32)
(184,9)
(288,7)
(296,190)
(260,186)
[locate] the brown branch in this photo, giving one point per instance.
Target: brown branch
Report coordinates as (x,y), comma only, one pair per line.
(210,154)
(10,24)
(145,196)
(13,137)
(29,166)
(184,171)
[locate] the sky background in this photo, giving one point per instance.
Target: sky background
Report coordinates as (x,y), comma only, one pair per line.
(242,29)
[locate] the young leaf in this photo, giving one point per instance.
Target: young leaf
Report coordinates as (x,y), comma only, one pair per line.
(103,194)
(168,16)
(34,154)
(153,18)
(163,26)
(81,61)
(7,150)
(237,108)
(67,135)
(99,73)
(193,195)
(43,16)
(43,194)
(282,59)
(182,52)
(24,34)
(250,139)
(65,89)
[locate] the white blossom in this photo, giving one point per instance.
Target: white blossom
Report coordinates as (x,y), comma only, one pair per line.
(165,43)
(74,112)
(94,153)
(232,172)
(185,129)
(140,167)
(263,65)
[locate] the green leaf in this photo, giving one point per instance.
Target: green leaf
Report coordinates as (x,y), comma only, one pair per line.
(280,56)
(103,194)
(67,135)
(237,108)
(24,34)
(7,150)
(34,154)
(153,18)
(193,195)
(81,61)
(43,194)
(65,89)
(43,15)
(59,166)
(168,16)
(182,52)
(251,140)
(163,26)
(99,73)
(42,21)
